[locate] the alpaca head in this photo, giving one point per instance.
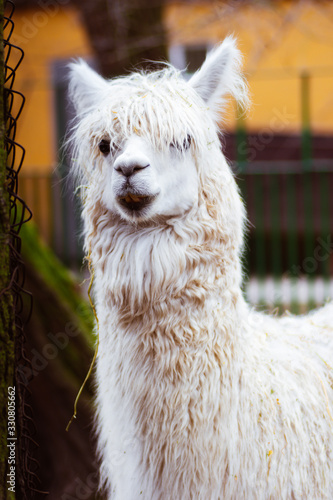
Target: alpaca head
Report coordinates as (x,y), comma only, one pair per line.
(147,141)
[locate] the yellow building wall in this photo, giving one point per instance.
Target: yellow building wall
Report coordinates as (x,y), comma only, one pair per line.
(45,38)
(279,40)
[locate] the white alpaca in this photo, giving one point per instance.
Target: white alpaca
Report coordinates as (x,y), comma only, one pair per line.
(199,398)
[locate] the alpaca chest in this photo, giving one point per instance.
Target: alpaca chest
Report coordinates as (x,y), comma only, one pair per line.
(160,414)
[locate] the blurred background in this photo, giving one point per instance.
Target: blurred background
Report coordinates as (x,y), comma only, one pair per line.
(281,153)
(281,150)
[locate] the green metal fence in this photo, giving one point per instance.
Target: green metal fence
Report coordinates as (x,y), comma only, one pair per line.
(288,258)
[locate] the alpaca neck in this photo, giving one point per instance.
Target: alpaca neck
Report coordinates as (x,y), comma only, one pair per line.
(145,274)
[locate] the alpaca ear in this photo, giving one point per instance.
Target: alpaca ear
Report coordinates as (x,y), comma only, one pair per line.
(85,86)
(220,75)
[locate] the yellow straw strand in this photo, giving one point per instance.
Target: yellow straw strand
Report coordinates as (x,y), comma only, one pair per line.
(96,349)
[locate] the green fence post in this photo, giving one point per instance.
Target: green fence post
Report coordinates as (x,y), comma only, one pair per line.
(324,259)
(292,232)
(307,182)
(305,116)
(241,150)
(276,247)
(259,234)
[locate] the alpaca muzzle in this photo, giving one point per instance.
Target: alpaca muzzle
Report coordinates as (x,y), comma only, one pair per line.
(135,202)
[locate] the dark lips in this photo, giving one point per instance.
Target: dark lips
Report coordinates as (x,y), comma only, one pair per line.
(135,202)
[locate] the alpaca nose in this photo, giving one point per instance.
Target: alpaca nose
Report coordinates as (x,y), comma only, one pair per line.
(128,168)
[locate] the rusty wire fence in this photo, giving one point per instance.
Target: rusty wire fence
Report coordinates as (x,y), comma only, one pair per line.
(26,464)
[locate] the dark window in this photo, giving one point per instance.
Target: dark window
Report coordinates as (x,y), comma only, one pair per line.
(194,57)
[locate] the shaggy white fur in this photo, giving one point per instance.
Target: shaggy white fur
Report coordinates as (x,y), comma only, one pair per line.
(198,396)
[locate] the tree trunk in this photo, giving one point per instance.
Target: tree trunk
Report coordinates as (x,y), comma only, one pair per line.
(125,33)
(7,316)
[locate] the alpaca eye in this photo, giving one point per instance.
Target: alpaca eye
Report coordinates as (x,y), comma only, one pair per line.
(187,142)
(104,146)
(184,146)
